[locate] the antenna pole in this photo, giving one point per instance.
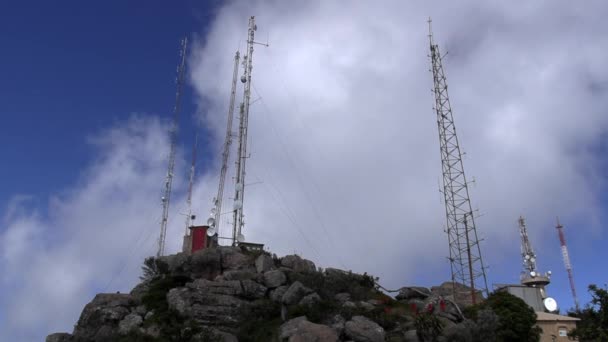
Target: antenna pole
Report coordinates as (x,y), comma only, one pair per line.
(238,222)
(173,138)
(527,253)
(189,217)
(466,263)
(567,264)
(216,211)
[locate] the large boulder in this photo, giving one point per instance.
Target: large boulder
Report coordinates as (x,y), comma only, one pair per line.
(205,307)
(301,330)
(59,337)
(233,259)
(206,263)
(298,264)
(264,263)
(362,329)
(99,319)
(462,292)
(253,290)
(274,278)
(131,322)
(276,295)
(246,274)
(295,293)
(413,292)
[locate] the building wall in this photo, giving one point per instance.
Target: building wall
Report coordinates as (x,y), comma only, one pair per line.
(551,330)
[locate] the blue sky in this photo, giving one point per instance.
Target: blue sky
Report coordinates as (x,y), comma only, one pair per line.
(343,139)
(69,69)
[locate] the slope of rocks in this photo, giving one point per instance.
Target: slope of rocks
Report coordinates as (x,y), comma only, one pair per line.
(228,294)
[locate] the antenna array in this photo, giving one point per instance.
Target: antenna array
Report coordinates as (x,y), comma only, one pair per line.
(567,264)
(216,211)
(239,189)
(527,253)
(465,254)
(173,138)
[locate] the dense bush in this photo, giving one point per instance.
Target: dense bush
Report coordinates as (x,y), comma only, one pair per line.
(593,325)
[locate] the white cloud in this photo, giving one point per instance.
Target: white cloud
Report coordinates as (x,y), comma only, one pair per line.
(344,143)
(345,140)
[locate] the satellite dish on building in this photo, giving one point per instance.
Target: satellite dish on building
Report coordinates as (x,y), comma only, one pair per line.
(533,274)
(211,222)
(211,231)
(527,257)
(240,238)
(550,304)
(243,78)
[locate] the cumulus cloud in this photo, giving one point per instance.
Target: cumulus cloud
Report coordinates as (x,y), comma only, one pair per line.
(94,237)
(344,138)
(344,165)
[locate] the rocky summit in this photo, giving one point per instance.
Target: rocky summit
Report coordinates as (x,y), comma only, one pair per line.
(230,294)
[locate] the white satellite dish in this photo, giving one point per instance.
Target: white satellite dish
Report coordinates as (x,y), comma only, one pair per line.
(240,238)
(533,274)
(532,259)
(550,304)
(211,231)
(243,78)
(211,222)
(527,257)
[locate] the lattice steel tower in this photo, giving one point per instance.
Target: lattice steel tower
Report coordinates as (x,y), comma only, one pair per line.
(181,69)
(238,222)
(465,254)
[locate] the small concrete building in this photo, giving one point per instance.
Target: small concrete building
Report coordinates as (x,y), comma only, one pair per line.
(555,327)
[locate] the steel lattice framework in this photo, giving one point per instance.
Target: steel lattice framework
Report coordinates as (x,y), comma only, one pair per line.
(166,199)
(465,254)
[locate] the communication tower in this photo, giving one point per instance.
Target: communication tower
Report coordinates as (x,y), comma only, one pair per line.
(567,264)
(465,258)
(530,275)
(173,141)
(239,188)
(216,211)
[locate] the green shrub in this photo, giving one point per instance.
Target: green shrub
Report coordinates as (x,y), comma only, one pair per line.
(428,327)
(261,322)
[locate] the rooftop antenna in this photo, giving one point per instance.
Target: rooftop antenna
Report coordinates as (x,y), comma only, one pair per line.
(173,138)
(567,264)
(530,275)
(190,217)
(239,188)
(216,211)
(466,263)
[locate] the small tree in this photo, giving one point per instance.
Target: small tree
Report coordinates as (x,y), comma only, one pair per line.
(150,269)
(593,325)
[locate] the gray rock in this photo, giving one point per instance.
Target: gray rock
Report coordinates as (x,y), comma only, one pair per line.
(298,264)
(264,263)
(206,263)
(247,274)
(140,310)
(224,287)
(252,290)
(276,295)
(177,263)
(274,278)
(310,299)
(337,323)
(342,297)
(207,308)
(362,329)
(410,336)
(130,322)
(99,319)
(149,315)
(365,306)
(295,292)
(349,304)
(152,330)
(301,330)
(233,259)
(60,337)
(413,292)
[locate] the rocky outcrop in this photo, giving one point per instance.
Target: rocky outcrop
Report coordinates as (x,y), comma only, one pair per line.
(228,294)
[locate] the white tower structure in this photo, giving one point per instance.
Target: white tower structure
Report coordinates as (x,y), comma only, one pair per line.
(216,212)
(181,70)
(239,189)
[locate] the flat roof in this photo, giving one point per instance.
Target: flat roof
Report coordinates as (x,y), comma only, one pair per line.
(544,316)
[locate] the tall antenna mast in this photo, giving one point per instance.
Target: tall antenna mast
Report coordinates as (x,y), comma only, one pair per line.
(173,138)
(191,217)
(527,253)
(567,264)
(216,211)
(238,222)
(465,254)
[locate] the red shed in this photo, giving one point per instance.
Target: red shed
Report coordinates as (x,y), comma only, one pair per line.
(199,237)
